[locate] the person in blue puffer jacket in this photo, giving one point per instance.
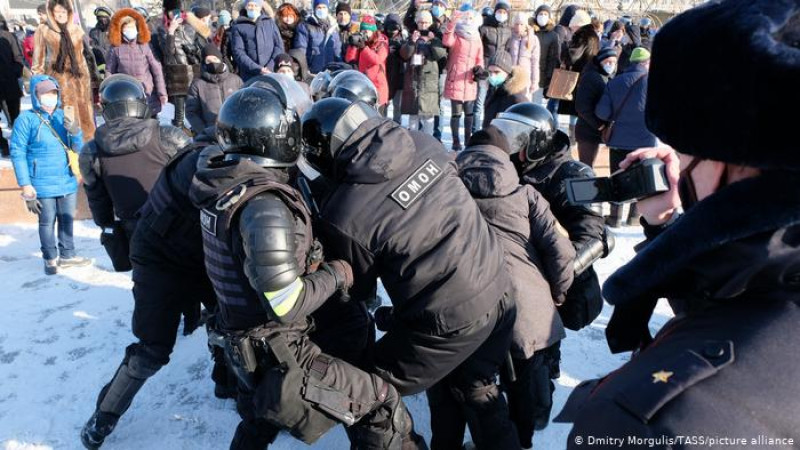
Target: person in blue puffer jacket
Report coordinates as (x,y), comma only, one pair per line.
(318,39)
(255,41)
(40,162)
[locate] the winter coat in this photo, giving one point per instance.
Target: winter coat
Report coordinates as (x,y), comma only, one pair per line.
(287,32)
(100,40)
(550,50)
(511,92)
(206,96)
(463,56)
(538,259)
(136,58)
(590,89)
(630,130)
(38,156)
(729,268)
(372,63)
(582,48)
(421,82)
(411,243)
(182,53)
(630,41)
(120,166)
(319,42)
(524,57)
(255,45)
(495,36)
(76,91)
(395,65)
(563,31)
(10,67)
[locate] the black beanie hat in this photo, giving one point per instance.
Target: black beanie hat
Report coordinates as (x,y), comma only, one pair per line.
(211,49)
(170,5)
(503,60)
(342,6)
(737,114)
(605,52)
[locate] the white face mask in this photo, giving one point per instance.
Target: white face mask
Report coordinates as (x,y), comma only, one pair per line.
(48,101)
(130,34)
(609,68)
(543,19)
(501,17)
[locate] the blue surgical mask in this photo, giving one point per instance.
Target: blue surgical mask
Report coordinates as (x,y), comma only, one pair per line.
(252,13)
(49,101)
(609,68)
(496,79)
(321,14)
(436,11)
(130,34)
(501,17)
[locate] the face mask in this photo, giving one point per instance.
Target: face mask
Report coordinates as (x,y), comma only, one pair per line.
(496,79)
(49,101)
(321,14)
(130,34)
(501,17)
(252,13)
(436,10)
(216,67)
(609,68)
(686,189)
(542,20)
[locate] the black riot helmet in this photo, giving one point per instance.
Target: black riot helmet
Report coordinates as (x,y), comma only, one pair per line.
(261,122)
(123,96)
(354,86)
(327,125)
(532,132)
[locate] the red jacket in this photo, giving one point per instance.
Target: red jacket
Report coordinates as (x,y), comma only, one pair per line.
(372,63)
(27,49)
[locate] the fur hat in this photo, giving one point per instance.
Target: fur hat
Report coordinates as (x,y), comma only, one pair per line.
(728,105)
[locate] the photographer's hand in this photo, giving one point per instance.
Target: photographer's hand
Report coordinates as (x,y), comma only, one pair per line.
(658,209)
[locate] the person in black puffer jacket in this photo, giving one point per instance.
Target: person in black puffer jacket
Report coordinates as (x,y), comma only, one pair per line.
(208,92)
(495,36)
(451,321)
(588,93)
(540,261)
(549,47)
(123,161)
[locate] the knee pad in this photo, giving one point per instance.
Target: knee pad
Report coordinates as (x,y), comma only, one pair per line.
(143,362)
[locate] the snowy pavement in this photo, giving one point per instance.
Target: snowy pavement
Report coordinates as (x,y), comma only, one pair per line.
(62,337)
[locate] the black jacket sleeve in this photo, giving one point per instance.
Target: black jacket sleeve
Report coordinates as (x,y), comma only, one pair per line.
(339,245)
(269,242)
(588,93)
(100,203)
(556,251)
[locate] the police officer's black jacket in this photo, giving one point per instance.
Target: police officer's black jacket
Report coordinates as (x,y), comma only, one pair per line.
(121,165)
(256,246)
(398,211)
(726,365)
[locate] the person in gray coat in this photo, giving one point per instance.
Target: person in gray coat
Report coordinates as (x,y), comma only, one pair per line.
(540,261)
(207,93)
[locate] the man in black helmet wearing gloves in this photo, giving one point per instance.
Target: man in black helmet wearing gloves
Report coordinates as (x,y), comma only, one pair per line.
(396,209)
(723,372)
(258,243)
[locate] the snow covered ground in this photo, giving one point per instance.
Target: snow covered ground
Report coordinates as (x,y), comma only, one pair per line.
(62,337)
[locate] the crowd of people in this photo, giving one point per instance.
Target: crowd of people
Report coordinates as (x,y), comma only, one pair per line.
(291,193)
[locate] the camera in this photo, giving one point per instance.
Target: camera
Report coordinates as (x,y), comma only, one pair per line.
(357,40)
(643,179)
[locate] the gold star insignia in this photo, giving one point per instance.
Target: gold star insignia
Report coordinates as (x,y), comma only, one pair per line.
(661,376)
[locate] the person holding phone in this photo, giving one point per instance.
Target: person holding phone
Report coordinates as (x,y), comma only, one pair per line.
(39,143)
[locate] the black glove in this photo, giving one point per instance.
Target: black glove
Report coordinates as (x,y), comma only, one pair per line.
(34,206)
(479,73)
(383,318)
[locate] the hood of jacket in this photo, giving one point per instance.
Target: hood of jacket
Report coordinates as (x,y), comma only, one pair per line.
(215,78)
(376,152)
(550,24)
(216,176)
(487,171)
(125,135)
(115,29)
(569,13)
(392,19)
(34,99)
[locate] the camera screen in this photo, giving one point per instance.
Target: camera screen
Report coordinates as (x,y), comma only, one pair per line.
(591,190)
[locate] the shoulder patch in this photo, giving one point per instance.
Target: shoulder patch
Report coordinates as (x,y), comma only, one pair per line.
(417,184)
(208,221)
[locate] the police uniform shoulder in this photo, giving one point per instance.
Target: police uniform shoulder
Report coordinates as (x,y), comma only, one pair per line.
(669,374)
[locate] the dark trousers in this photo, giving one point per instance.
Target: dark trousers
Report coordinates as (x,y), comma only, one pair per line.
(11,111)
(530,396)
(587,151)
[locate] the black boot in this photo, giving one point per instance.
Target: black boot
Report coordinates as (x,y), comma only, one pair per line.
(468,122)
(455,124)
(99,426)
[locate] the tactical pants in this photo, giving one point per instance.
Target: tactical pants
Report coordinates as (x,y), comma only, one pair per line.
(306,392)
(459,370)
(530,395)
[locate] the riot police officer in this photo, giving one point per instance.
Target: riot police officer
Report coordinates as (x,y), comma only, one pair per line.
(169,280)
(541,155)
(123,161)
(396,209)
(354,86)
(258,242)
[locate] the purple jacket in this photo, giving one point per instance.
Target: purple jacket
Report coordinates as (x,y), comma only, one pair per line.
(137,60)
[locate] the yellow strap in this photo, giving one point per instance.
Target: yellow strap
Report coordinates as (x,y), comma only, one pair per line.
(283,300)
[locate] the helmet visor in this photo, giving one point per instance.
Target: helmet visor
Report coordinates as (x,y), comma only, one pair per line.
(517,133)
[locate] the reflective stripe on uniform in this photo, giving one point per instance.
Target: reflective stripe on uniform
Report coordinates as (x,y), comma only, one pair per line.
(282,301)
